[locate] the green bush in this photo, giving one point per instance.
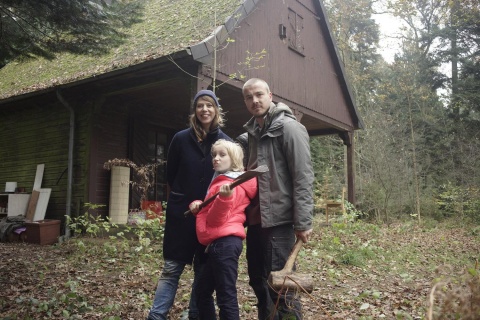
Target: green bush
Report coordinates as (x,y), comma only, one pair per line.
(455,201)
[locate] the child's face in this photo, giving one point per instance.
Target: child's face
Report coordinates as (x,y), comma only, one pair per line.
(221,159)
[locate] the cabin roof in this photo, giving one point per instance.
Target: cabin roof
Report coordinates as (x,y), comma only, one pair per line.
(165,28)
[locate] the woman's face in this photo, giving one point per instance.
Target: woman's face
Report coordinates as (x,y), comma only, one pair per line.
(221,159)
(205,112)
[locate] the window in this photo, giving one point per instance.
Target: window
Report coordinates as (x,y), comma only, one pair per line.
(157,153)
(295,26)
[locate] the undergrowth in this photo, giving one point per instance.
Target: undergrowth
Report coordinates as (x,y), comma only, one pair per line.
(361,271)
(456,297)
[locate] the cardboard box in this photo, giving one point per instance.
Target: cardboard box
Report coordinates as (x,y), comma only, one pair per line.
(43,231)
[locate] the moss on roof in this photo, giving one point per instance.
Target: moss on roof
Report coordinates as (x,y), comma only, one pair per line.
(167,26)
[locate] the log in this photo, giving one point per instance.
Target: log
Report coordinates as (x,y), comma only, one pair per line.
(283,281)
(287,279)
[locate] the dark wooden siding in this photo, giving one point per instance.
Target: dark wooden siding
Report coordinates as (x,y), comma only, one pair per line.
(81,154)
(109,140)
(37,133)
(120,127)
(140,151)
(305,77)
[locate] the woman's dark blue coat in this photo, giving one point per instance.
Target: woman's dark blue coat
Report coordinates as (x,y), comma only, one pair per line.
(189,172)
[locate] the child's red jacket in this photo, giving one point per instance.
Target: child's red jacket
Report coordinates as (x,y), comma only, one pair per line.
(225,216)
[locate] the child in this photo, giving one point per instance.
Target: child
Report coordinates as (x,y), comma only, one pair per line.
(220,227)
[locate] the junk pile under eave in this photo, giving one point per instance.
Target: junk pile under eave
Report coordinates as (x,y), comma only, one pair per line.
(23,214)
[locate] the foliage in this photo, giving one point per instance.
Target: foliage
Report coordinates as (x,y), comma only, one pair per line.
(93,226)
(421,128)
(455,201)
(447,36)
(357,37)
(327,162)
(352,213)
(459,38)
(348,250)
(251,62)
(456,297)
(89,224)
(66,299)
(360,271)
(38,28)
(143,177)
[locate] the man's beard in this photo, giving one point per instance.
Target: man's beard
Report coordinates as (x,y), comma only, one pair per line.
(262,115)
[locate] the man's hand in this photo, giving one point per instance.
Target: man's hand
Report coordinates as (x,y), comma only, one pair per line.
(194,206)
(225,190)
(303,234)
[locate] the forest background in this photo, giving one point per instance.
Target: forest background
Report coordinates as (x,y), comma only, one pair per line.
(418,154)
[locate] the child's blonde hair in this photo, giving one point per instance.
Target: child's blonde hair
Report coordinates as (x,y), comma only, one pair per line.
(234,150)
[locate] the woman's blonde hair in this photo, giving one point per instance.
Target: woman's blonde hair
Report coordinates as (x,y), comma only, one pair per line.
(234,150)
(196,125)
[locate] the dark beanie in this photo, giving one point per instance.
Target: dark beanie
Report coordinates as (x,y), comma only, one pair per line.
(205,93)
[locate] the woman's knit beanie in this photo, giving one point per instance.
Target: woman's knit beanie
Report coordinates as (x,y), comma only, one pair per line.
(205,93)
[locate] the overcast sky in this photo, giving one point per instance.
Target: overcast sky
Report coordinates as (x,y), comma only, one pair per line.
(389,26)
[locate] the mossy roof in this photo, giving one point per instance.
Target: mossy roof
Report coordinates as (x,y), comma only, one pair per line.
(166,27)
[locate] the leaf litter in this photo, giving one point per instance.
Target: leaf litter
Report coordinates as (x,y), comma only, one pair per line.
(361,271)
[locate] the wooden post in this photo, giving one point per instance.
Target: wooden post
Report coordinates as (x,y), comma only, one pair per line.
(347,138)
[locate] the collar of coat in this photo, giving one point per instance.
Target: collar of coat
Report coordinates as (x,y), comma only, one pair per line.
(229,174)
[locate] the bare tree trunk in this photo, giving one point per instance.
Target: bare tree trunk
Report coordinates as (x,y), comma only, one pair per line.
(415,172)
(454,59)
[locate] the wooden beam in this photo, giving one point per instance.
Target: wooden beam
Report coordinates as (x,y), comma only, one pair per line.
(298,114)
(350,169)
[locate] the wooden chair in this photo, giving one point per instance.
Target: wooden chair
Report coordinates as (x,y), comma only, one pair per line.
(336,205)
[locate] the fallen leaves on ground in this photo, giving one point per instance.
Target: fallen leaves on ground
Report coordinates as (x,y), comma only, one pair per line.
(361,271)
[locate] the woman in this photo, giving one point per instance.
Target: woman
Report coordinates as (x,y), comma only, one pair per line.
(189,172)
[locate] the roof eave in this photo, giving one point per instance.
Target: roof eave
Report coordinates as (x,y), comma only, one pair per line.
(203,50)
(334,50)
(111,74)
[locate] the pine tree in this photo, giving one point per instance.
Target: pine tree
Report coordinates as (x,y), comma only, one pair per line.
(30,28)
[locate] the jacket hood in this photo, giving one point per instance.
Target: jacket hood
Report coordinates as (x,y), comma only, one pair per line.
(233,174)
(277,110)
(250,186)
(280,107)
(274,111)
(230,174)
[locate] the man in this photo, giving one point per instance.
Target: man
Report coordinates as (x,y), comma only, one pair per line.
(285,195)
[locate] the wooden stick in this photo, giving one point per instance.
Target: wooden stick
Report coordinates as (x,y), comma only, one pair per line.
(247,175)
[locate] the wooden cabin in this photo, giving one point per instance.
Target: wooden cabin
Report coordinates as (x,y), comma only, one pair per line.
(74,113)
